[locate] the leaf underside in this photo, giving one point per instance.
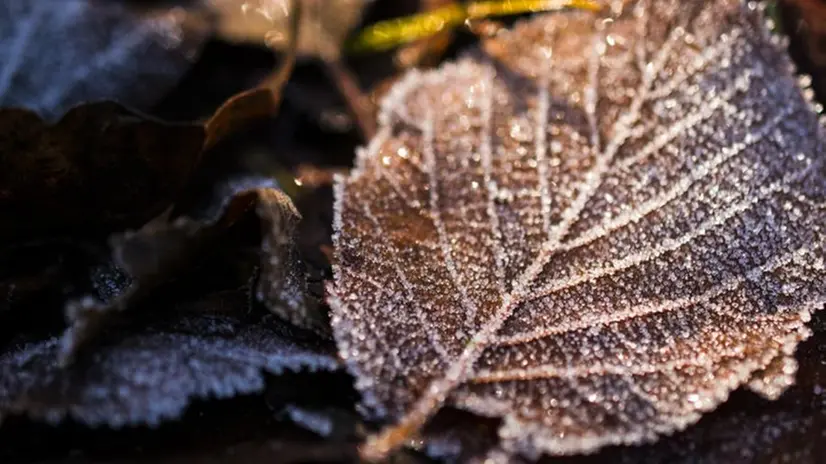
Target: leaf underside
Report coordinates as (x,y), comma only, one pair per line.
(596,237)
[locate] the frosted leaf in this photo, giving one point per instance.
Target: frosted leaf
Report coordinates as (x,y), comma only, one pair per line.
(593,228)
(283,282)
(162,250)
(318,422)
(57,54)
(747,428)
(151,375)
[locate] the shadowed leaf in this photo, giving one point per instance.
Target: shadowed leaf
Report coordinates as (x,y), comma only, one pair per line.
(596,237)
(282,285)
(163,249)
(100,168)
(804,21)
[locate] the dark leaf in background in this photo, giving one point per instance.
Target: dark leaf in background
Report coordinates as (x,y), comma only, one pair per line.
(149,375)
(282,286)
(804,21)
(101,168)
(246,108)
(36,280)
(164,249)
(597,237)
(324,23)
(55,55)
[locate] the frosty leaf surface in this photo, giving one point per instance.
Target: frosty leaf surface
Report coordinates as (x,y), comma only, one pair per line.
(282,286)
(596,237)
(57,54)
(149,375)
(162,250)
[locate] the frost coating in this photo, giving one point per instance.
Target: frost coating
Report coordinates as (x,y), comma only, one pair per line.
(152,375)
(597,237)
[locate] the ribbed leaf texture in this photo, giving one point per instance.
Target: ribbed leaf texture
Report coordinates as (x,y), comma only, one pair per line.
(594,226)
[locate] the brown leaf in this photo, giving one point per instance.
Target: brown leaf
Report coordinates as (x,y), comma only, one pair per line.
(247,107)
(596,237)
(56,55)
(99,169)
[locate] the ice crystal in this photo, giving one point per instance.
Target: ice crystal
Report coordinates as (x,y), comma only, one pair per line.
(593,227)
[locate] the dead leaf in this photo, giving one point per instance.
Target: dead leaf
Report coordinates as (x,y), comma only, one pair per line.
(246,108)
(47,188)
(282,285)
(56,55)
(150,375)
(161,250)
(596,237)
(99,169)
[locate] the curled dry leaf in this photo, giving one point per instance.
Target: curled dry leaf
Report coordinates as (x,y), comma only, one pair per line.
(99,169)
(56,55)
(596,237)
(164,247)
(149,375)
(161,250)
(282,285)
